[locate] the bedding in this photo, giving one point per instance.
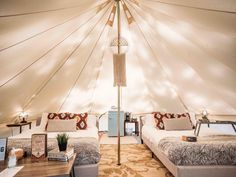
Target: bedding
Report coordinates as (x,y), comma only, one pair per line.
(208,150)
(85,142)
(86,148)
(81,119)
(189,153)
(159,117)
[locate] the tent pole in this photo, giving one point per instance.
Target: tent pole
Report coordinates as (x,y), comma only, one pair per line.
(118,88)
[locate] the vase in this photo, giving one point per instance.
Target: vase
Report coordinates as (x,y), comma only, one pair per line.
(62,147)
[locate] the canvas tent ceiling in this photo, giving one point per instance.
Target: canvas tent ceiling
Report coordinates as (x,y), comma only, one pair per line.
(55,56)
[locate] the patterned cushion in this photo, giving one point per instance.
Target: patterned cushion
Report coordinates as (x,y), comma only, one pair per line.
(62,116)
(160,116)
(81,121)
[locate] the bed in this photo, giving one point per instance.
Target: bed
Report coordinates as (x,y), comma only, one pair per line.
(85,143)
(214,155)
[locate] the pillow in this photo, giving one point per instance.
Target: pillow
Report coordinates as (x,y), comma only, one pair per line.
(57,125)
(43,121)
(177,124)
(81,121)
(193,118)
(92,121)
(61,116)
(148,120)
(159,117)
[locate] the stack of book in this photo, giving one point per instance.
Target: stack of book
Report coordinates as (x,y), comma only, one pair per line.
(64,156)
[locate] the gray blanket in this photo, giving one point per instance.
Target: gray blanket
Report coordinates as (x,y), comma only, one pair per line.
(86,149)
(211,150)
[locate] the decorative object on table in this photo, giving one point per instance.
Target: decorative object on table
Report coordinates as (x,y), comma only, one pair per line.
(38,147)
(129,131)
(204,116)
(189,138)
(127,116)
(12,158)
(23,116)
(58,155)
(19,153)
(3,145)
(136,127)
(62,140)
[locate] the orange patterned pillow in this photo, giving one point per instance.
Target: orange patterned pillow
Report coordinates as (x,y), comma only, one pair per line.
(62,116)
(160,116)
(81,121)
(56,116)
(159,119)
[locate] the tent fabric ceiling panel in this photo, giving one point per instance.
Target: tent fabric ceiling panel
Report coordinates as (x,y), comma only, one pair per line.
(55,56)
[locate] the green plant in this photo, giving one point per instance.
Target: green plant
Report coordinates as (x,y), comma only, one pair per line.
(62,138)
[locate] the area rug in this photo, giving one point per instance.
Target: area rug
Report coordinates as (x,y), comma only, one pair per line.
(136,161)
(105,139)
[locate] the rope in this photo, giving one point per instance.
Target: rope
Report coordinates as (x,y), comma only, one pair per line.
(44,31)
(67,96)
(198,8)
(47,52)
(77,46)
(42,11)
(100,66)
(154,54)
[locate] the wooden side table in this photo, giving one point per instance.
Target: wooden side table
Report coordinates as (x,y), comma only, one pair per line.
(136,131)
(200,122)
(44,168)
(19,125)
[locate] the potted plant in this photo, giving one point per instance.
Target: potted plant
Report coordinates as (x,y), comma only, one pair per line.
(62,140)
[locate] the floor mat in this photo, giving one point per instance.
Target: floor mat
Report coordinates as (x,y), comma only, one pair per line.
(136,161)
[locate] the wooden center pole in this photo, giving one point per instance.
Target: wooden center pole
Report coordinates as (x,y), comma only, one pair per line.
(118,88)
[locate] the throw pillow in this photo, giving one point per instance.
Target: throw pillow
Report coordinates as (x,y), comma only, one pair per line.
(177,124)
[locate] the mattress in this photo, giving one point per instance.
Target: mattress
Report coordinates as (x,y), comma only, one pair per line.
(211,146)
(89,132)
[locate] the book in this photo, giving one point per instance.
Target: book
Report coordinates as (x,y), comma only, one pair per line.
(55,154)
(61,159)
(189,138)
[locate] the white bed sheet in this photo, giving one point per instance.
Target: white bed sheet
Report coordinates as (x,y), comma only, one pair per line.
(154,135)
(89,132)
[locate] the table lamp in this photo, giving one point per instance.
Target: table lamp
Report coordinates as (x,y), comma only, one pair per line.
(23,116)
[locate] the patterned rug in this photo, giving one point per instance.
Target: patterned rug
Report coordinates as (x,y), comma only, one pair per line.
(105,139)
(136,161)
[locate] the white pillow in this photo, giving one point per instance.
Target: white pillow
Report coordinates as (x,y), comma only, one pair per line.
(91,121)
(149,120)
(61,125)
(44,121)
(193,118)
(177,124)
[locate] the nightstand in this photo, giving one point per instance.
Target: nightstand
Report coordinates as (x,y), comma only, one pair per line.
(136,131)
